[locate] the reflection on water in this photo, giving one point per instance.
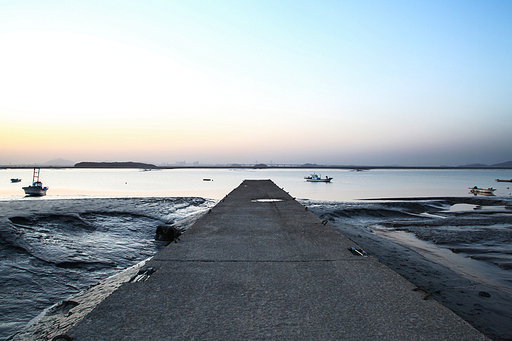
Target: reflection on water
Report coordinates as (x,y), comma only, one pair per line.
(347,185)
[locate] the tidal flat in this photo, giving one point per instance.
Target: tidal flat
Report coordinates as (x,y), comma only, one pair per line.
(63,256)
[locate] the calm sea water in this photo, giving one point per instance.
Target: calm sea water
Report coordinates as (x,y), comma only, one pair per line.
(347,185)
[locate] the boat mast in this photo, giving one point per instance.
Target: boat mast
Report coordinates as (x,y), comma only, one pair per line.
(35,177)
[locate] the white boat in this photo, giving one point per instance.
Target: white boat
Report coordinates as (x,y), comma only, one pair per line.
(36,189)
(485,191)
(317,178)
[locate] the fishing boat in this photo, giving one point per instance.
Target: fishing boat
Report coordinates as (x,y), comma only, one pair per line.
(15,180)
(485,191)
(317,178)
(36,189)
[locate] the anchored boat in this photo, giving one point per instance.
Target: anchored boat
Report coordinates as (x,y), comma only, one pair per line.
(36,189)
(317,178)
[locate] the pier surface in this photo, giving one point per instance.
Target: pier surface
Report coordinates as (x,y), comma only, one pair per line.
(260,266)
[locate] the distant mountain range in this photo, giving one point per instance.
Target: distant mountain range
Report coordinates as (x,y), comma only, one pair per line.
(503,164)
(507,164)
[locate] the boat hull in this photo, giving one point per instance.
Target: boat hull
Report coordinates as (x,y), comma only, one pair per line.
(483,191)
(317,178)
(35,191)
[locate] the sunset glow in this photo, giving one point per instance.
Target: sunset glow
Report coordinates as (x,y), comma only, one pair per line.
(375,83)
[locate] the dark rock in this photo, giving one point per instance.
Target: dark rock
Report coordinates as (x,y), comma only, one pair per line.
(168,233)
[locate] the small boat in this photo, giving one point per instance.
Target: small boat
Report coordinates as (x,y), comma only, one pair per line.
(485,191)
(499,180)
(317,178)
(16,180)
(36,189)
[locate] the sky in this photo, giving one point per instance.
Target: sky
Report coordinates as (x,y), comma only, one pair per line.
(413,83)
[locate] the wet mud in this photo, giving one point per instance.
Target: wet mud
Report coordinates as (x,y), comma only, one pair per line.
(53,249)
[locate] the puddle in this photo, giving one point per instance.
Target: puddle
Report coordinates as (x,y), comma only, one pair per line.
(471,207)
(266,200)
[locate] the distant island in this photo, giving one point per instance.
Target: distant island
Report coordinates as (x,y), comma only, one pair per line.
(503,164)
(61,163)
(128,164)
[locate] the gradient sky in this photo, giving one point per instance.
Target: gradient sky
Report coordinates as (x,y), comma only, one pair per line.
(422,83)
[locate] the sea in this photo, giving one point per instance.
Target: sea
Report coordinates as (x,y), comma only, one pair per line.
(94,223)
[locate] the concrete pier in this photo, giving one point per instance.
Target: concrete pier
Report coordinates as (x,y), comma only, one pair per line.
(260,266)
